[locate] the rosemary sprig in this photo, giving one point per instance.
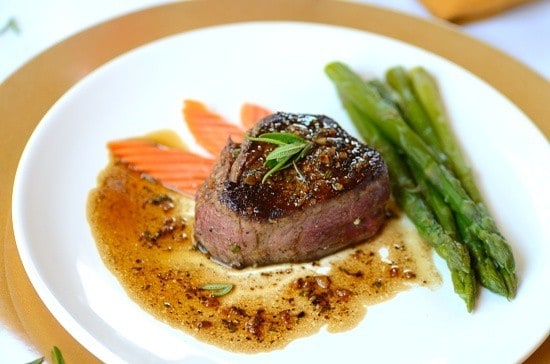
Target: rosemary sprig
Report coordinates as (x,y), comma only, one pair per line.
(37,361)
(57,357)
(290,148)
(218,289)
(10,25)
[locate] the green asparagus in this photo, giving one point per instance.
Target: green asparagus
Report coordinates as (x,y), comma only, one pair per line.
(398,79)
(489,275)
(427,92)
(394,128)
(413,113)
(403,188)
(443,213)
(486,272)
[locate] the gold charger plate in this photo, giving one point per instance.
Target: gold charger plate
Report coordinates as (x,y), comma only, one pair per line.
(31,91)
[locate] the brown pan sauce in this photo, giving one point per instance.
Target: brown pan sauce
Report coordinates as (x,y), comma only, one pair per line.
(144,234)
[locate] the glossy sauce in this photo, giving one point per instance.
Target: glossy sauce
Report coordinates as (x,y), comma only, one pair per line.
(144,235)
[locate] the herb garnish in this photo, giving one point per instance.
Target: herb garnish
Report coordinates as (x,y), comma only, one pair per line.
(218,289)
(57,357)
(290,149)
(11,24)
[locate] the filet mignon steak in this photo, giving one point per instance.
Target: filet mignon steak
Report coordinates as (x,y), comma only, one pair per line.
(334,197)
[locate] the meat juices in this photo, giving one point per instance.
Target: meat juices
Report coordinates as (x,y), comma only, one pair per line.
(334,197)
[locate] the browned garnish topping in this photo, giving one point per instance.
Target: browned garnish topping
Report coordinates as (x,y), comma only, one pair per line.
(210,301)
(204,324)
(394,271)
(343,294)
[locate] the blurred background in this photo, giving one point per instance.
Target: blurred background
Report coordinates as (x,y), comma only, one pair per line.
(520,28)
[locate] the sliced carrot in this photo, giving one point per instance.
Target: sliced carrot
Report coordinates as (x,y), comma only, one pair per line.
(185,186)
(174,168)
(209,129)
(252,113)
(180,169)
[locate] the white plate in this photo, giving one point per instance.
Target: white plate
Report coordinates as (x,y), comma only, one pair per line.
(279,65)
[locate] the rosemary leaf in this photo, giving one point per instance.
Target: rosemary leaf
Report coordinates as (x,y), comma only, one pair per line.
(281,164)
(304,151)
(290,148)
(287,150)
(278,138)
(57,357)
(37,361)
(10,25)
(218,289)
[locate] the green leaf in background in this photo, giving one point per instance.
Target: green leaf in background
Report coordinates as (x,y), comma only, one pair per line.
(10,25)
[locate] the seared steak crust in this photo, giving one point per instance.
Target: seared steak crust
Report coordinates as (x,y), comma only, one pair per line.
(334,197)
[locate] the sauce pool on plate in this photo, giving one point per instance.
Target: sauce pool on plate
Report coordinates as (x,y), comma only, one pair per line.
(144,234)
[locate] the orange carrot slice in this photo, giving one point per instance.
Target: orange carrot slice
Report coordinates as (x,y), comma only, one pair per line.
(252,113)
(173,168)
(185,185)
(179,169)
(209,129)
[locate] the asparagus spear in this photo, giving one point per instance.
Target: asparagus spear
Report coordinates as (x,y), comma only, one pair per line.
(414,115)
(455,254)
(387,93)
(486,272)
(443,213)
(425,89)
(489,275)
(392,125)
(398,79)
(395,101)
